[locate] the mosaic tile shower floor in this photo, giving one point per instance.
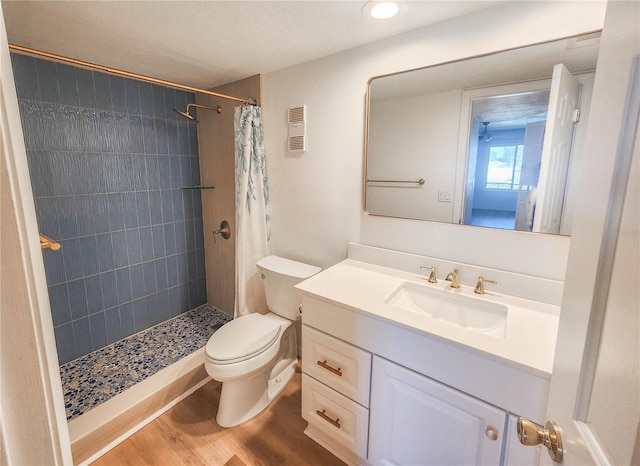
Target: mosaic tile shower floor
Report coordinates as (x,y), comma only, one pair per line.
(102,374)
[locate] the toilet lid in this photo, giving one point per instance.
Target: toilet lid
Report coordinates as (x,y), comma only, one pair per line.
(242,338)
(287,267)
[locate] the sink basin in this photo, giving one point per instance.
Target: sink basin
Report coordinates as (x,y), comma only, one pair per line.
(464,311)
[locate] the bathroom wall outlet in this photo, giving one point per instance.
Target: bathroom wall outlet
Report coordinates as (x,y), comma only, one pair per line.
(444,195)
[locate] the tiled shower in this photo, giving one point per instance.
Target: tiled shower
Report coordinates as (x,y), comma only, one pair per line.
(108,158)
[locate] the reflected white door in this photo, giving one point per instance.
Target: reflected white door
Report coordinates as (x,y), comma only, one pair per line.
(556,150)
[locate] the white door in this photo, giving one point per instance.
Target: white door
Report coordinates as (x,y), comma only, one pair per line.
(415,420)
(599,413)
(595,387)
(556,150)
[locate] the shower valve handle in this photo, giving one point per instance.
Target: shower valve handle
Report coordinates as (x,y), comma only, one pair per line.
(224,231)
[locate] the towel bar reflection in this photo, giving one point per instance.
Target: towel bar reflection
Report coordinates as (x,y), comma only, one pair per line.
(46,242)
(420,181)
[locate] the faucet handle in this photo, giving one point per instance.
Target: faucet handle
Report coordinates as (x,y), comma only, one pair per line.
(433,277)
(479,289)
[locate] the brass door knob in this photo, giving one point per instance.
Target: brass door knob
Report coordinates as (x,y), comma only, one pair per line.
(530,434)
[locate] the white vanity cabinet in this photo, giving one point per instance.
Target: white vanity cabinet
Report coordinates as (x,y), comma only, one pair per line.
(416,420)
(383,385)
(423,402)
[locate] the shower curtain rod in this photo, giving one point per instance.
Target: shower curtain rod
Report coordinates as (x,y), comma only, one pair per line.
(127,74)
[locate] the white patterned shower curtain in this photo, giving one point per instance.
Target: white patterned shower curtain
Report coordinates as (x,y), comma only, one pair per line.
(252,214)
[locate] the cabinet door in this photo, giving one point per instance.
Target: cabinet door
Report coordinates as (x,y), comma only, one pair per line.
(415,420)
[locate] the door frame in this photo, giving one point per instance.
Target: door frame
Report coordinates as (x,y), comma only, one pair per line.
(467,133)
(32,422)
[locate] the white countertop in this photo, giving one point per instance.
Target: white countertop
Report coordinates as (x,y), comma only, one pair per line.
(530,338)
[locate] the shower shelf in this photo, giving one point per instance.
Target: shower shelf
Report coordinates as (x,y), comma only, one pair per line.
(197,187)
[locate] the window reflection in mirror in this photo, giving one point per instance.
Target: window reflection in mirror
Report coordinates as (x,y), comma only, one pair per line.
(475,130)
(506,171)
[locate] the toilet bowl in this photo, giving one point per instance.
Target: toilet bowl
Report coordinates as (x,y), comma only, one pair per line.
(255,356)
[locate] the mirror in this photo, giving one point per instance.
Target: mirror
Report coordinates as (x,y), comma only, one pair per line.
(490,141)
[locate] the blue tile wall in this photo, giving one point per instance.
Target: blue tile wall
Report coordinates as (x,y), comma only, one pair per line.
(107,157)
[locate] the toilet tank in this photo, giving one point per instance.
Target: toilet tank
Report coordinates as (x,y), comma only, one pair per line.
(279,276)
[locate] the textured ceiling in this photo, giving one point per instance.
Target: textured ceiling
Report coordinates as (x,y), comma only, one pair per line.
(208,43)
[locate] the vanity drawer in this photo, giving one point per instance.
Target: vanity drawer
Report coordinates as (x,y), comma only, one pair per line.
(337,364)
(334,419)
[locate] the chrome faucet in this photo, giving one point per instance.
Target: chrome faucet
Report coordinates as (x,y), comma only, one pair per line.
(479,289)
(453,278)
(433,278)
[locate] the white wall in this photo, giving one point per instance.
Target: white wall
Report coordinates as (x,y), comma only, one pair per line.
(316,197)
(409,145)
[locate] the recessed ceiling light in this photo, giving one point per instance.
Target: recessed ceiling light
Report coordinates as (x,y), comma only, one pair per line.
(382,9)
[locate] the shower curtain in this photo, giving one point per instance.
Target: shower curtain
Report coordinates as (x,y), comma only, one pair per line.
(252,215)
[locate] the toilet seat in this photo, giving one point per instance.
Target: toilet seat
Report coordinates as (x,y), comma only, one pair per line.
(243,338)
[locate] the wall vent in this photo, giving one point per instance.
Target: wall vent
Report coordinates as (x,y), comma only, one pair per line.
(296,141)
(296,144)
(297,114)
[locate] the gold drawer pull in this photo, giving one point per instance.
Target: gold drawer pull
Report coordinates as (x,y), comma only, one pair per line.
(335,423)
(326,366)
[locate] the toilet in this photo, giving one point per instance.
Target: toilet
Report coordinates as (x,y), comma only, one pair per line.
(255,356)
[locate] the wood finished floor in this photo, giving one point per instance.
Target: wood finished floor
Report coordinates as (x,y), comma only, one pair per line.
(187,434)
